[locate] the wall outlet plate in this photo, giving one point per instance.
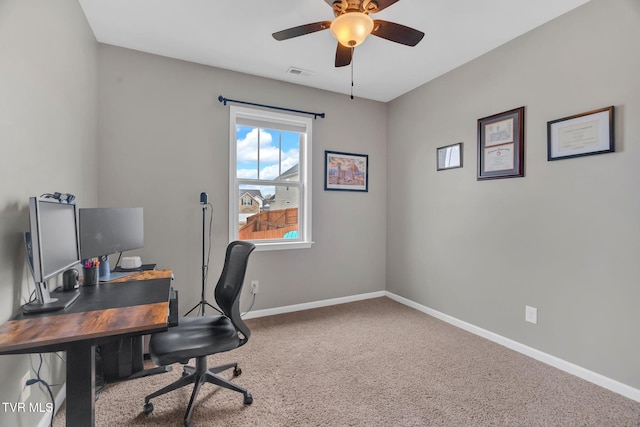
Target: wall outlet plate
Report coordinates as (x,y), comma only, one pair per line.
(254,286)
(531,314)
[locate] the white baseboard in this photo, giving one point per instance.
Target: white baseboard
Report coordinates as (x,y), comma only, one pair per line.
(578,371)
(310,305)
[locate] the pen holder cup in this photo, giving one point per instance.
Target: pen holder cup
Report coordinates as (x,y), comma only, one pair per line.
(90,276)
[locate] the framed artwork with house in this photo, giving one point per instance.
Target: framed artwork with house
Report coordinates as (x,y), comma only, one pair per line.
(346,171)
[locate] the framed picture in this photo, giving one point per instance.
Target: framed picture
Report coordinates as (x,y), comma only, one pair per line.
(449,157)
(346,171)
(581,135)
(501,145)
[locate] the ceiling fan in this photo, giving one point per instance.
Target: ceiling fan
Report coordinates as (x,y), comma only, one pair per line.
(352,26)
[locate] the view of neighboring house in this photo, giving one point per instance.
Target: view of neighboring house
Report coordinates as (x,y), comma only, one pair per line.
(271,216)
(251,202)
(286,196)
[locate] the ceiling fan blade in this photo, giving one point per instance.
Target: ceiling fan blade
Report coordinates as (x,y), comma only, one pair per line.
(301,30)
(396,32)
(383,4)
(343,55)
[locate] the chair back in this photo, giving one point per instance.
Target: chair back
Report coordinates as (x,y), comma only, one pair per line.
(227,292)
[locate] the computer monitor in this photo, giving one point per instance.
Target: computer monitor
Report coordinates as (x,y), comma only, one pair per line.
(52,247)
(106,231)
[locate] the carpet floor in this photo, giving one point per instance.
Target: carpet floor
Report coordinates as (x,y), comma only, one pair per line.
(372,363)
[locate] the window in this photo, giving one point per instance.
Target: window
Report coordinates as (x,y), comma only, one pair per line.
(270,179)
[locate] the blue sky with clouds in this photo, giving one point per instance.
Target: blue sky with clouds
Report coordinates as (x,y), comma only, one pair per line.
(279,151)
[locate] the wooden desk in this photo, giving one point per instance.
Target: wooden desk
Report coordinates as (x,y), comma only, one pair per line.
(135,305)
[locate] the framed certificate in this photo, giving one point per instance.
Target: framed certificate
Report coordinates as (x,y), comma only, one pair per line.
(449,157)
(501,145)
(581,135)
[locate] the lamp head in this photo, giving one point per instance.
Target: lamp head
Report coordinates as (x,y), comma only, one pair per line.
(351,28)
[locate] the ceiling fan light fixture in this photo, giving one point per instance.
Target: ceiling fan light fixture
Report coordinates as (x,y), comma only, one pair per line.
(352,28)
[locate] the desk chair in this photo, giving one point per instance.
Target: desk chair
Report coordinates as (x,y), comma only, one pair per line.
(198,337)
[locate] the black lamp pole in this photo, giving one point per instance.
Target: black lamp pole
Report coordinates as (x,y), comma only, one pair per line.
(203,301)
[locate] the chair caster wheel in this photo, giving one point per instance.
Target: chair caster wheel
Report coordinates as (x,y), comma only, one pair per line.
(237,371)
(148,408)
(248,399)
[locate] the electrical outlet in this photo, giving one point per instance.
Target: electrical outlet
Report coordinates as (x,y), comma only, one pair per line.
(531,314)
(25,390)
(254,286)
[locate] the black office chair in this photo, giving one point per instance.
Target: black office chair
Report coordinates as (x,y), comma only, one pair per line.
(198,337)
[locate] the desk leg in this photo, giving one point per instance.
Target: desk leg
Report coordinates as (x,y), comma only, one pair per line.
(81,382)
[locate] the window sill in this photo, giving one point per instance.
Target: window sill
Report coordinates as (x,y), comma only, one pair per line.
(277,246)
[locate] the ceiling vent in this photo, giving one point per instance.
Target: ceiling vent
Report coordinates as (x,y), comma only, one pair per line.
(298,72)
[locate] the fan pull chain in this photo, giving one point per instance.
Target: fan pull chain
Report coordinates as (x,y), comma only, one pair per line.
(351,73)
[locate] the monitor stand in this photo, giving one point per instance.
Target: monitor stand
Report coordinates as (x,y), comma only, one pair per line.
(45,302)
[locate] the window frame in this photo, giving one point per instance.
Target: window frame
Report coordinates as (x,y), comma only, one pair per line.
(304,216)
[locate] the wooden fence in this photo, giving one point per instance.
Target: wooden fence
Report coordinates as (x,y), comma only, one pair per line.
(269,224)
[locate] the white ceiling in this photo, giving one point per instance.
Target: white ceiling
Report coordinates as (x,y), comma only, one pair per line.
(236,35)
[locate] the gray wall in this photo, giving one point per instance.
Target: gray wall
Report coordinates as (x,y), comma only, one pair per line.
(566,237)
(563,239)
(48,140)
(164,138)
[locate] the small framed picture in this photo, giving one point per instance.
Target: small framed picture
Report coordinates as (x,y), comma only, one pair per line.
(449,157)
(581,135)
(346,171)
(501,145)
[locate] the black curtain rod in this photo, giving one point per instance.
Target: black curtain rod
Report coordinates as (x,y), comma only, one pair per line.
(225,100)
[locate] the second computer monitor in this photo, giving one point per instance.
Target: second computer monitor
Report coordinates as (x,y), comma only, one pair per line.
(106,231)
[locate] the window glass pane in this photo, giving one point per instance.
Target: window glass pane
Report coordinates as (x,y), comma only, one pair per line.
(273,213)
(269,155)
(247,152)
(290,147)
(279,155)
